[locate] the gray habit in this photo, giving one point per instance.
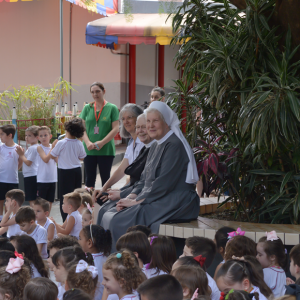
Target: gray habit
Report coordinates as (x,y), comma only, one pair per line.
(167,196)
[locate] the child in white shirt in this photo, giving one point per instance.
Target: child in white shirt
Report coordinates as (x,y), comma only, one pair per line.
(272,257)
(25,217)
(73,223)
(47,169)
(10,163)
(30,166)
(69,152)
(41,208)
(14,200)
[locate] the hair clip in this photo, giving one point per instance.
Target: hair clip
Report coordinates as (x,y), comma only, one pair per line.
(200,259)
(152,239)
(18,255)
(222,296)
(88,207)
(272,236)
(14,265)
(195,295)
(236,233)
(242,258)
(230,292)
(83,265)
(119,255)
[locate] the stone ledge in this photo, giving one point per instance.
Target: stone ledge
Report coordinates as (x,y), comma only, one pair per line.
(206,227)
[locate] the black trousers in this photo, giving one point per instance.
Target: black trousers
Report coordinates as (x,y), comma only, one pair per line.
(68,181)
(90,164)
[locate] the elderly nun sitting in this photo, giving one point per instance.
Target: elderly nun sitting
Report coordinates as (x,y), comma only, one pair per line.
(166,190)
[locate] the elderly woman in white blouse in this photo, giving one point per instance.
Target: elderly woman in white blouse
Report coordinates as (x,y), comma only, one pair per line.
(128,117)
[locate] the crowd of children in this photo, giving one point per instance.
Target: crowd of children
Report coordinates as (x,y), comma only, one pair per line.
(41,259)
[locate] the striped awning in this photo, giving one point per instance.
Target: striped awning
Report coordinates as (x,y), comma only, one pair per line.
(149,29)
(14,0)
(103,7)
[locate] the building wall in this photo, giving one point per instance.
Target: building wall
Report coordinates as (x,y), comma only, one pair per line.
(30,54)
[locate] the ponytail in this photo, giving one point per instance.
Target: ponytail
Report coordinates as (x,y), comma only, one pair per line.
(237,270)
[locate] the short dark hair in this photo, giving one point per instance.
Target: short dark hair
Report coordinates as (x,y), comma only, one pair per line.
(9,129)
(75,127)
(5,244)
(295,255)
(44,204)
(202,246)
(189,261)
(25,214)
(161,288)
(17,195)
(136,241)
(74,199)
(221,236)
(76,294)
(40,288)
(141,228)
(33,129)
(63,242)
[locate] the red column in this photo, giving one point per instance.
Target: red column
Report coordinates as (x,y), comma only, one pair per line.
(132,73)
(161,65)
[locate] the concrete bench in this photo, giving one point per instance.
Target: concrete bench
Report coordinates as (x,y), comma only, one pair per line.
(206,227)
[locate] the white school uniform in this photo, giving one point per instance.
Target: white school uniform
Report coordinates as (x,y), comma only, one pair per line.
(46,172)
(35,272)
(78,223)
(130,297)
(46,226)
(215,293)
(40,236)
(14,229)
(9,160)
(132,152)
(257,290)
(275,279)
(99,260)
(61,291)
(152,272)
(69,153)
(31,154)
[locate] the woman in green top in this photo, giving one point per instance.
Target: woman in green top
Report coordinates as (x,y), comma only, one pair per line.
(102,125)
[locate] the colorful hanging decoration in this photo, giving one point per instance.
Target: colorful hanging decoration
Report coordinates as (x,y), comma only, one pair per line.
(103,7)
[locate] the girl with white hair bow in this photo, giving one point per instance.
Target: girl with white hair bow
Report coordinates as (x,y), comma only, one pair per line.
(166,190)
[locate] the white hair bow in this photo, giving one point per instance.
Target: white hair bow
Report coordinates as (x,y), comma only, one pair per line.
(83,265)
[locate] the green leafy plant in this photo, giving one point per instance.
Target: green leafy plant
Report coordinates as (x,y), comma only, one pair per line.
(239,84)
(33,102)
